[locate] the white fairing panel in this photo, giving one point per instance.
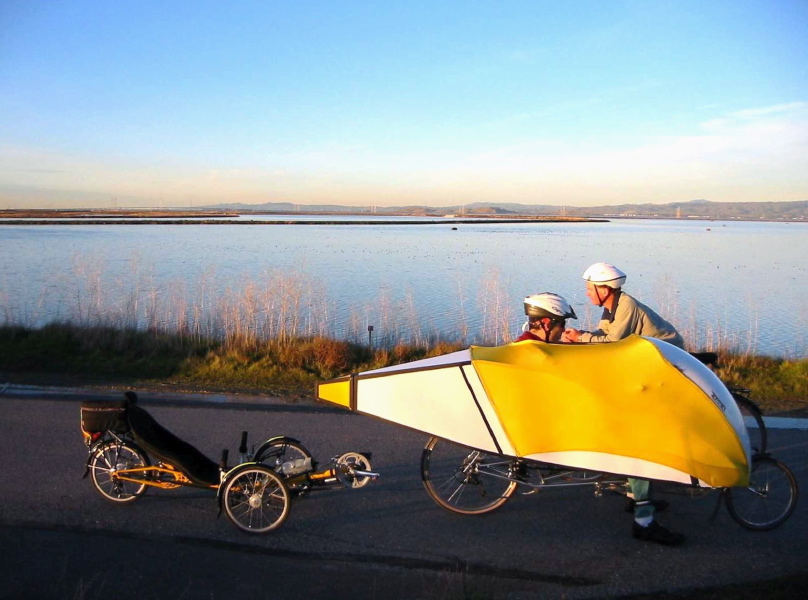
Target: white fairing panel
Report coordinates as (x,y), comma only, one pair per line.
(611,463)
(436,401)
(459,357)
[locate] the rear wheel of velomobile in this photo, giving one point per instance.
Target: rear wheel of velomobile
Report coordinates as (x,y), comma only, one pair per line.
(109,461)
(768,500)
(256,500)
(464,480)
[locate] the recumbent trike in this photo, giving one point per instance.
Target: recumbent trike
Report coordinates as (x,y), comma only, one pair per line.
(129,451)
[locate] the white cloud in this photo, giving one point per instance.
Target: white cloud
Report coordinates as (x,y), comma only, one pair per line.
(751,113)
(752,154)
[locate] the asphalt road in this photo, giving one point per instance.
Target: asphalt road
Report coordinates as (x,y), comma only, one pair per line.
(60,539)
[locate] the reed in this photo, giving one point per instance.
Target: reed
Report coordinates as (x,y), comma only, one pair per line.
(287,304)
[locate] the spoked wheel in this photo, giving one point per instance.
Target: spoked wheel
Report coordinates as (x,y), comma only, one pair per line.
(463,480)
(256,500)
(753,419)
(282,451)
(769,499)
(108,467)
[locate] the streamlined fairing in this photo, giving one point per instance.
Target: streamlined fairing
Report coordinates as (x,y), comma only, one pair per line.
(638,407)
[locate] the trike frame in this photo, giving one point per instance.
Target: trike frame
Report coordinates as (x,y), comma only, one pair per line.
(255,494)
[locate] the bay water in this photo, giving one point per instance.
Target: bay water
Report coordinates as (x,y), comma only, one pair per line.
(739,284)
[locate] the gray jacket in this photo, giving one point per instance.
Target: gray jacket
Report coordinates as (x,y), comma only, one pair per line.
(632,316)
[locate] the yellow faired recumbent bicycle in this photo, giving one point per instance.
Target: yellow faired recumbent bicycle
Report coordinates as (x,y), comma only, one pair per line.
(129,452)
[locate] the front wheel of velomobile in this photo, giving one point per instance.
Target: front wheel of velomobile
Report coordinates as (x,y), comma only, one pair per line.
(108,468)
(769,499)
(464,480)
(256,500)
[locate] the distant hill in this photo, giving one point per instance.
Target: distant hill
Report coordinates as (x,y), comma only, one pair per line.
(693,209)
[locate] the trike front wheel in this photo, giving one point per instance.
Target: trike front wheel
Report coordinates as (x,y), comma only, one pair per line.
(465,480)
(768,500)
(255,499)
(117,469)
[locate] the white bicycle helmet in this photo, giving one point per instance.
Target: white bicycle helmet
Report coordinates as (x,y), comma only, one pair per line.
(605,274)
(548,305)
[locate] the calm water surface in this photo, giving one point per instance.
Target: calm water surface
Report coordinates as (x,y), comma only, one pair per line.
(734,282)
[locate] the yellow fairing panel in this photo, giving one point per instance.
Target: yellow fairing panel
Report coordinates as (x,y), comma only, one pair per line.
(623,399)
(336,391)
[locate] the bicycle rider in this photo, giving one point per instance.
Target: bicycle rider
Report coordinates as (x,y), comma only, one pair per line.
(623,315)
(547,315)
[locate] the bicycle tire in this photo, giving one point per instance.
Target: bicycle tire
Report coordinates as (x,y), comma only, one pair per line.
(464,480)
(768,500)
(111,457)
(758,437)
(256,500)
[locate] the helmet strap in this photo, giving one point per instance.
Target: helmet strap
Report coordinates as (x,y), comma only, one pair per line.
(546,329)
(602,301)
(548,326)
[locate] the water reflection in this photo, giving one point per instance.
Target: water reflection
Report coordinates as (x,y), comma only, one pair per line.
(737,282)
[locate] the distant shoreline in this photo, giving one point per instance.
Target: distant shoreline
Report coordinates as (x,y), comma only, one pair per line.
(164,217)
(41,217)
(292,222)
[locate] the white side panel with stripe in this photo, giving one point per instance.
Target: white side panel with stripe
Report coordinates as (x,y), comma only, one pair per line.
(488,411)
(436,401)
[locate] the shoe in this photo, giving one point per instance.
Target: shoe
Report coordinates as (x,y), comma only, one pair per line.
(659,505)
(656,533)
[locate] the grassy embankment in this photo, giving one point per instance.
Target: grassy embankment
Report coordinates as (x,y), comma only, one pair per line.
(71,355)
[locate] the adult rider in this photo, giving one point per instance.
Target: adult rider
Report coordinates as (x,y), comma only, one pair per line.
(624,315)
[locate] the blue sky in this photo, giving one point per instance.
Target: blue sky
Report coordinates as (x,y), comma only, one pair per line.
(155,103)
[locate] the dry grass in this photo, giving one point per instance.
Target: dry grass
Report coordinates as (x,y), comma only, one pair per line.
(282,331)
(279,304)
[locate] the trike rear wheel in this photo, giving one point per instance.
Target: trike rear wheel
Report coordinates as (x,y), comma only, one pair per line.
(256,500)
(768,500)
(108,466)
(275,453)
(464,480)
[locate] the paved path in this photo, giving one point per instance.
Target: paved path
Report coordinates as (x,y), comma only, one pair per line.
(60,539)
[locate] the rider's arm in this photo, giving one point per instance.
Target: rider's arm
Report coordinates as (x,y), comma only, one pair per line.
(596,336)
(626,318)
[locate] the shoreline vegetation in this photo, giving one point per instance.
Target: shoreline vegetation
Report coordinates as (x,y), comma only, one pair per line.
(287,367)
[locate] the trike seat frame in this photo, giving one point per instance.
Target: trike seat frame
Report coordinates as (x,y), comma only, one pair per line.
(126,417)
